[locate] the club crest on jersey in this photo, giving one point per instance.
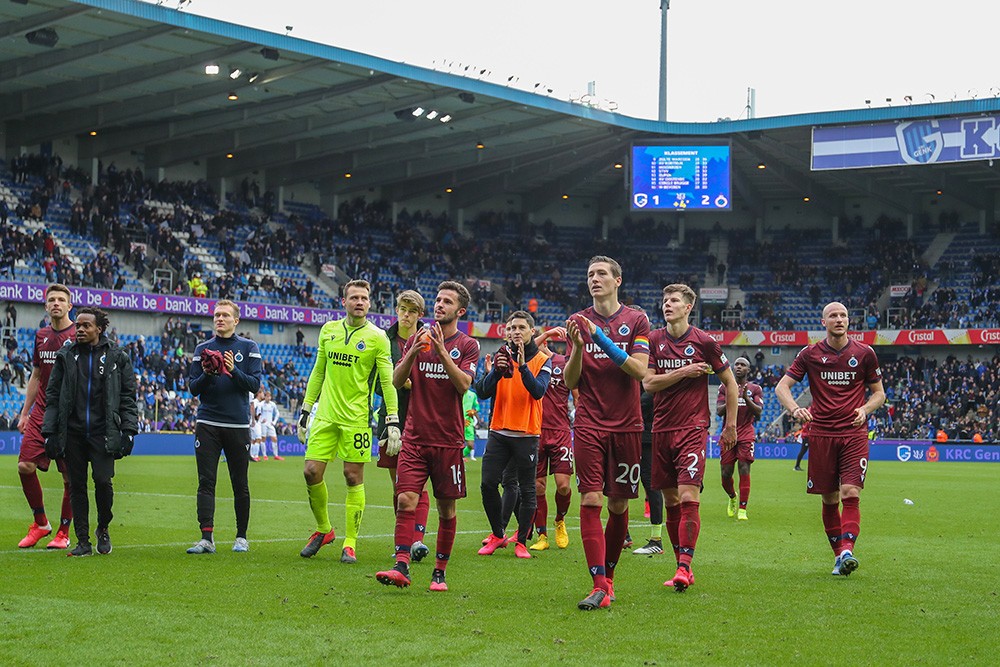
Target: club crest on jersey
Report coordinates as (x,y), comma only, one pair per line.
(557,371)
(853,362)
(623,330)
(239,357)
(454,354)
(689,350)
(360,346)
(103,358)
(68,341)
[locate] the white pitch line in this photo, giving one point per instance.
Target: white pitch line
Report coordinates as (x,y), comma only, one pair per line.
(182,496)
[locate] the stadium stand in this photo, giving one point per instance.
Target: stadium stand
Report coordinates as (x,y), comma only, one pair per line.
(958,396)
(56,226)
(256,254)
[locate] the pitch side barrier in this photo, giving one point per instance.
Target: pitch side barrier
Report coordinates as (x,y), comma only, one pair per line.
(182,444)
(888,450)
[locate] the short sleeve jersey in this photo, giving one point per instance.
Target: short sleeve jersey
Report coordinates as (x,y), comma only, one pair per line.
(345,357)
(48,342)
(609,397)
(837,380)
(254,407)
(684,404)
(268,411)
(745,420)
(555,402)
(435,417)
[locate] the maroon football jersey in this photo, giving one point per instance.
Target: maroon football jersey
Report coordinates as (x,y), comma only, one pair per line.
(684,404)
(609,397)
(745,420)
(555,402)
(48,342)
(434,415)
(837,381)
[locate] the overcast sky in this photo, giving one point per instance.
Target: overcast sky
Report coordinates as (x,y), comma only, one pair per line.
(799,55)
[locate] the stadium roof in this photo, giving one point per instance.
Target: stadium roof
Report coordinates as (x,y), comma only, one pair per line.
(134,73)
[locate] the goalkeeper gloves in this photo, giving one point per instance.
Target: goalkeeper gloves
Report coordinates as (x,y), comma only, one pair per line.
(393,441)
(214,362)
(303,426)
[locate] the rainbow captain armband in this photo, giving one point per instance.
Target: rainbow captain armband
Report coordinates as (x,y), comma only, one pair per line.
(615,353)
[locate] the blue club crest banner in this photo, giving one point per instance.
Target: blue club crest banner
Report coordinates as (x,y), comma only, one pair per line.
(912,142)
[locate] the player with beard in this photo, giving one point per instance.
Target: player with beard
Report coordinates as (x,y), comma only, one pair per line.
(609,353)
(348,352)
(839,371)
(440,361)
(751,405)
(48,341)
(681,357)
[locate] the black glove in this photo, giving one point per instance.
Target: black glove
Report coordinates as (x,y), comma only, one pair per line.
(128,442)
(53,448)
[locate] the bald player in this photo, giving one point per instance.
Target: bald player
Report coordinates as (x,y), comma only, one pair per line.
(842,373)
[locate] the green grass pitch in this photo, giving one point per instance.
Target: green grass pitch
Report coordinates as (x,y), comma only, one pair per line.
(926,592)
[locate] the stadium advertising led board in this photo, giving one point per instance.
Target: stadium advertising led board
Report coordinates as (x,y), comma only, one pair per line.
(680,177)
(915,142)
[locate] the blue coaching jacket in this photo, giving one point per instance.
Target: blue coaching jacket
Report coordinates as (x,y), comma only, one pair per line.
(225,401)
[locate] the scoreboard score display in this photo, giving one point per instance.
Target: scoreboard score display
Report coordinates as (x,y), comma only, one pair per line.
(680,177)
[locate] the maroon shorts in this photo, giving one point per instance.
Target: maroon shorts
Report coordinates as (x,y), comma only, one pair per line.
(555,453)
(743,451)
(607,461)
(443,466)
(386,461)
(33,447)
(679,458)
(835,460)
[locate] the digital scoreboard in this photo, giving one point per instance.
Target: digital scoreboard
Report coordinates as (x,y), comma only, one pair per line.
(681,177)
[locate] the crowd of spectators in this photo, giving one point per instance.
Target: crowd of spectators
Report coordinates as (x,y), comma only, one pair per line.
(955,399)
(976,306)
(960,397)
(501,255)
(164,401)
(859,270)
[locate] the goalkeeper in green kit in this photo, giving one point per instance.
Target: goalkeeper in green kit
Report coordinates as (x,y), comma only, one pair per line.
(340,427)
